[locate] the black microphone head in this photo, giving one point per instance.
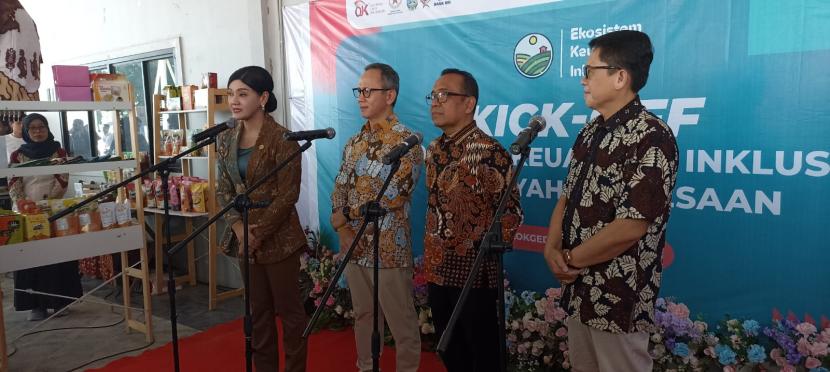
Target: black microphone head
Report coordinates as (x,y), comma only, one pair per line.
(414,139)
(330,133)
(537,123)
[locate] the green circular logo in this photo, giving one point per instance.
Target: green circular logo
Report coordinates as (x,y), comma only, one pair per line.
(533,55)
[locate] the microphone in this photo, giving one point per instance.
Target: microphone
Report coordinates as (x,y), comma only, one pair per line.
(309,135)
(214,130)
(401,149)
(525,137)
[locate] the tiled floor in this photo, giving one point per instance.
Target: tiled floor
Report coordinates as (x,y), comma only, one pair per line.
(64,350)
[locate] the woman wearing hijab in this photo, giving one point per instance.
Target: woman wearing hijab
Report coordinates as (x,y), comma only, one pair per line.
(62,278)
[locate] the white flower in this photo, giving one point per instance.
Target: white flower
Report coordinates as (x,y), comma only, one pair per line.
(656,338)
(338,310)
(659,350)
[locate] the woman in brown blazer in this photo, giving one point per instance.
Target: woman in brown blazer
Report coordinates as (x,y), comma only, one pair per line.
(246,153)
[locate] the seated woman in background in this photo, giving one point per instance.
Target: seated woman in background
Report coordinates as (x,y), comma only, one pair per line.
(62,278)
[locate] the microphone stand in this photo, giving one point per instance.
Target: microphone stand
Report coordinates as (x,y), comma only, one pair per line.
(163,168)
(243,204)
(372,211)
(492,244)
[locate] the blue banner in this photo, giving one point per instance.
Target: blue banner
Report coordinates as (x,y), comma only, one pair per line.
(744,85)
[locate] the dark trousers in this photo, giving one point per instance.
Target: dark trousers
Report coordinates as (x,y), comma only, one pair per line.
(60,278)
(474,345)
(275,292)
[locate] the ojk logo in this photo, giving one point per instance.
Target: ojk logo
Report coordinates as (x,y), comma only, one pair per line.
(361,8)
(533,55)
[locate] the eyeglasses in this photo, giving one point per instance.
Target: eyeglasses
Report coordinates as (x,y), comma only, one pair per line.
(37,128)
(366,91)
(586,70)
(442,96)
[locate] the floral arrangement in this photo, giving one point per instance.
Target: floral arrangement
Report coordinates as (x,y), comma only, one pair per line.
(537,335)
(677,342)
(317,266)
(799,344)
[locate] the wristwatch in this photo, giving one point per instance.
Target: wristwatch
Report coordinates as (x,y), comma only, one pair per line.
(347,211)
(567,254)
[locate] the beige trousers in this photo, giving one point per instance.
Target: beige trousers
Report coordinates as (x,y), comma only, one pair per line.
(592,350)
(397,306)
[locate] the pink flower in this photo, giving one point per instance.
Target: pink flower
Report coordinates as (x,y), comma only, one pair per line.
(317,302)
(803,346)
(330,301)
(818,349)
(563,346)
(806,329)
(787,368)
(561,332)
(553,292)
(728,369)
(317,288)
(678,310)
(812,363)
(559,314)
(566,365)
(710,352)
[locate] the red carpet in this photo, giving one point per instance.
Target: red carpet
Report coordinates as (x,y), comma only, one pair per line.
(222,348)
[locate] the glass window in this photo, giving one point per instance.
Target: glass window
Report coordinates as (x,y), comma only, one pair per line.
(79,136)
(134,72)
(161,72)
(148,75)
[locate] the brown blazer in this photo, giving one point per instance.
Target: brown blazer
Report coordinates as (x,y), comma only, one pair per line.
(279,225)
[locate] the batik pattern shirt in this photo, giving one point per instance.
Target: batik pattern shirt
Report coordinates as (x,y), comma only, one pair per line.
(466,175)
(622,168)
(361,177)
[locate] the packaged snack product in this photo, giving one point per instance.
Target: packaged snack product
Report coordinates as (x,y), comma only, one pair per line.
(122,214)
(11,227)
(37,226)
(149,193)
(107,211)
(198,192)
(184,190)
(89,219)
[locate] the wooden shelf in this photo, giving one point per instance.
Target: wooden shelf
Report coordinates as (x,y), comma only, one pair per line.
(64,106)
(176,213)
(184,111)
(67,168)
(186,157)
(67,248)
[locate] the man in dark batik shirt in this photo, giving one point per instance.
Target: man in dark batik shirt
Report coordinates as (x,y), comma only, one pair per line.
(608,229)
(467,172)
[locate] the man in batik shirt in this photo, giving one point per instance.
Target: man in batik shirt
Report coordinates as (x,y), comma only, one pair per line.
(608,229)
(467,172)
(360,178)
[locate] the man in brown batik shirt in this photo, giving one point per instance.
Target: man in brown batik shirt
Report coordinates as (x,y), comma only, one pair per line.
(607,231)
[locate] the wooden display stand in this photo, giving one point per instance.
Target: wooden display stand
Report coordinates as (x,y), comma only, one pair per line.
(217,101)
(61,249)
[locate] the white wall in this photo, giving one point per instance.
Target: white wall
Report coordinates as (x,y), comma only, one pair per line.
(209,35)
(215,35)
